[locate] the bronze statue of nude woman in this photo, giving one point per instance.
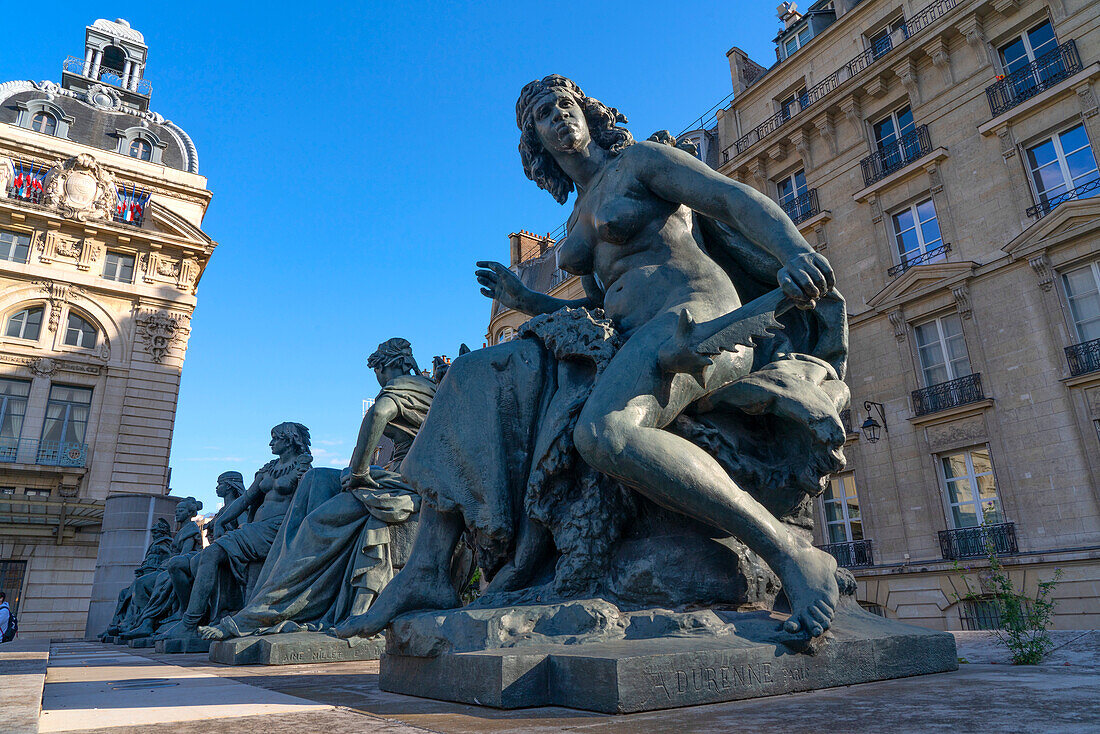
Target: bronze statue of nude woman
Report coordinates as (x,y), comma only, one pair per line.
(635,238)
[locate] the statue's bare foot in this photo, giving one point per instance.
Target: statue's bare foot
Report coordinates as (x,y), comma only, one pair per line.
(809,581)
(405,593)
(212,633)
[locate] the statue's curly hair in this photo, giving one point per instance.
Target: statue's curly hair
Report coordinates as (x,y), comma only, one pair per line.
(394,351)
(296,433)
(602,121)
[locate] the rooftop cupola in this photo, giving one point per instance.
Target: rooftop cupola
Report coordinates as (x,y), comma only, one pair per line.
(114,55)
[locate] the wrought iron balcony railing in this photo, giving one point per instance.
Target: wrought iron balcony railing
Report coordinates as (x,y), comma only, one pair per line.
(950,394)
(917,23)
(854,554)
(1084,357)
(979,541)
(1038,76)
(934,255)
(28,182)
(801,208)
(130,206)
(75,65)
(889,158)
(45,453)
(1046,206)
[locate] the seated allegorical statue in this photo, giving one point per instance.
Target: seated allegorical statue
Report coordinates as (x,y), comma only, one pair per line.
(651,421)
(159,551)
(231,553)
(151,596)
(334,551)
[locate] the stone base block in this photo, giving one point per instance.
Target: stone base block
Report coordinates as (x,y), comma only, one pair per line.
(112,640)
(139,642)
(292,648)
(177,646)
(629,675)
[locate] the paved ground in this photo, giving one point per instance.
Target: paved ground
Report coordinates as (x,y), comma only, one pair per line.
(99,688)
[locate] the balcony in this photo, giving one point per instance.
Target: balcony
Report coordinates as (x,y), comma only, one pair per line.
(917,23)
(855,554)
(950,394)
(76,65)
(979,541)
(1084,357)
(910,147)
(934,255)
(131,206)
(44,453)
(1046,206)
(801,208)
(28,183)
(1038,76)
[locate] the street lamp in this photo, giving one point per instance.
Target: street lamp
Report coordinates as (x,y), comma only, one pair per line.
(870,426)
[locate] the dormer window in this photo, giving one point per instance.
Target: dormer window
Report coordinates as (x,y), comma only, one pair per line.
(799,39)
(141,149)
(25,324)
(44,122)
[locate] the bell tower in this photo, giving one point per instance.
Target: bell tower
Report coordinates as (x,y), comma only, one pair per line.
(114,55)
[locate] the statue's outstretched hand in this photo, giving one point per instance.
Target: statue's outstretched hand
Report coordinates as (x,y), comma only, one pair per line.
(500,283)
(805,278)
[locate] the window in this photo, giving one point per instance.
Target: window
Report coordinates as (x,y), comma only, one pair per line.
(787,104)
(33,492)
(870,606)
(791,187)
(14,246)
(13,406)
(841,505)
(11,581)
(980,614)
(7,490)
(119,266)
(1083,294)
(66,417)
(1028,47)
(44,122)
(892,128)
(506,334)
(942,350)
(25,324)
(971,488)
(797,41)
(1062,163)
(880,42)
(80,332)
(141,149)
(917,232)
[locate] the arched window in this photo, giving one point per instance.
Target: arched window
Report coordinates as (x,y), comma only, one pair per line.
(25,324)
(80,333)
(44,122)
(506,334)
(141,149)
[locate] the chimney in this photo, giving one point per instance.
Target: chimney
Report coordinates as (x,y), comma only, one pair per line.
(788,13)
(528,246)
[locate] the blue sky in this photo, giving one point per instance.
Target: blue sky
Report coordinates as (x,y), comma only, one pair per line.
(362,158)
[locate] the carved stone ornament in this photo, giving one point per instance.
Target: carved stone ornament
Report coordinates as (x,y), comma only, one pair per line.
(103,97)
(962,299)
(80,189)
(168,268)
(1041,265)
(1085,94)
(897,320)
(43,366)
(1008,142)
(7,174)
(160,331)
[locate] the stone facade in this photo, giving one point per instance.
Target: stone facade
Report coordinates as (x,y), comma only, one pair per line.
(988,269)
(101,252)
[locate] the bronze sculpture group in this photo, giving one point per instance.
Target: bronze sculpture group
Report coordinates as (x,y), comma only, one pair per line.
(687,407)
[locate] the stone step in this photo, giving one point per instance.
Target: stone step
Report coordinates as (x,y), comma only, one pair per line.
(23,665)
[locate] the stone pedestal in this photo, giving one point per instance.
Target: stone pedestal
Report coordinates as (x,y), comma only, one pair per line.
(190,644)
(140,642)
(293,648)
(643,661)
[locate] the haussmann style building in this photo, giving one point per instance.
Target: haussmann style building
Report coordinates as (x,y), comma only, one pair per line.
(942,157)
(101,251)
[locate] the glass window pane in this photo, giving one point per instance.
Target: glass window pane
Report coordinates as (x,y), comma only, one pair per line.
(964,516)
(856,529)
(791,46)
(884,132)
(836,534)
(785,191)
(980,459)
(1049,180)
(954,465)
(930,233)
(1014,55)
(1073,139)
(1041,154)
(903,221)
(800,183)
(905,121)
(908,245)
(1041,39)
(991,513)
(1082,168)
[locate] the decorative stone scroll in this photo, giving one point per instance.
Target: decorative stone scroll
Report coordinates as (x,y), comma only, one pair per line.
(1041,265)
(897,320)
(962,299)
